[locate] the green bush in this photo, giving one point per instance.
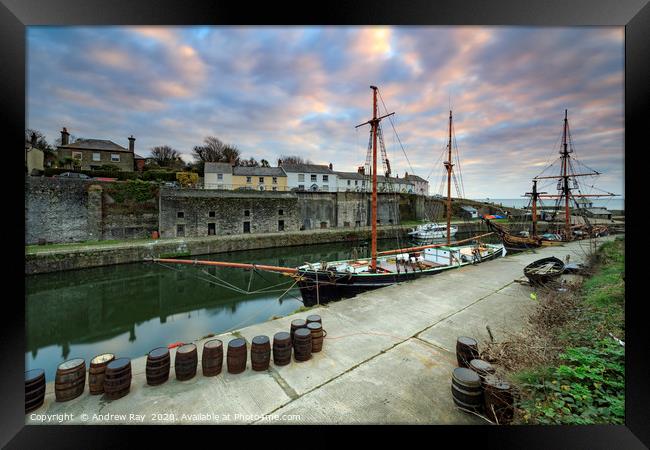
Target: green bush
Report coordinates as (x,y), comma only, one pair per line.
(134,191)
(159,175)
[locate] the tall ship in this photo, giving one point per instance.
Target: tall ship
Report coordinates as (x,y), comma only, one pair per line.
(574,224)
(321,282)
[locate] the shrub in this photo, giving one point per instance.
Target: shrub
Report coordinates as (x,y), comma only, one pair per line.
(187,179)
(159,175)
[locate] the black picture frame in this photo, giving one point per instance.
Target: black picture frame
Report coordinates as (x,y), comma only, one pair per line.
(15,15)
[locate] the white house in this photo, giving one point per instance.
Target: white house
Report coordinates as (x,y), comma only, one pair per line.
(351,182)
(217,176)
(420,185)
(310,177)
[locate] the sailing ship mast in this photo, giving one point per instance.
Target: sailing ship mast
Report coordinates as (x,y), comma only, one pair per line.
(374,124)
(449,167)
(564,178)
(534,196)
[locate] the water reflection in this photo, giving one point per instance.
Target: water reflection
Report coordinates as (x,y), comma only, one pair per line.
(133,308)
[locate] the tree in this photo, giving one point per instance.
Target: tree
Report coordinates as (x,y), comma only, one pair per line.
(39,138)
(165,156)
(293,159)
(215,150)
(251,162)
(264,163)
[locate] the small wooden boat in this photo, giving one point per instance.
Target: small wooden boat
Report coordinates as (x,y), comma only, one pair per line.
(544,270)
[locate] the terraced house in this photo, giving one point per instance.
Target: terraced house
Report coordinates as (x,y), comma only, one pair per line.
(259,178)
(91,154)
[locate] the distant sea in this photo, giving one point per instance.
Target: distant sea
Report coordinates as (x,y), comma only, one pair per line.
(611,203)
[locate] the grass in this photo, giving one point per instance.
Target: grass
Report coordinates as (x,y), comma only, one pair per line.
(567,367)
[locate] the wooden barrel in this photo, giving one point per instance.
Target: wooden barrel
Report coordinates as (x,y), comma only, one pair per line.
(34,389)
(466,389)
(70,379)
(96,372)
(297,324)
(281,348)
(314,318)
(302,344)
(316,330)
(482,368)
(237,355)
(212,358)
(158,365)
(499,400)
(186,362)
(466,350)
(117,378)
(260,353)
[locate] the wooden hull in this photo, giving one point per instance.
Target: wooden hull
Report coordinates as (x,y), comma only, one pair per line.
(318,287)
(536,273)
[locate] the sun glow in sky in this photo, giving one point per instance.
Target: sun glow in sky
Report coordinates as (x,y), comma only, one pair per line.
(302,90)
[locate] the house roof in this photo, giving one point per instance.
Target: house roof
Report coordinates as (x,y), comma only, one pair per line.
(415,178)
(468,208)
(259,171)
(351,175)
(582,200)
(598,211)
(217,167)
(307,168)
(136,156)
(95,144)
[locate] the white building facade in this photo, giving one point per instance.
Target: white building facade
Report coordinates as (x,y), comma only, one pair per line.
(217,176)
(310,177)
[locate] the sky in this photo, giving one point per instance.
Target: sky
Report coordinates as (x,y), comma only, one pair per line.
(302,90)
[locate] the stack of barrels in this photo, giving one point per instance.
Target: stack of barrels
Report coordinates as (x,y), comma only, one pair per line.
(316,330)
(117,378)
(237,356)
(296,325)
(70,379)
(186,362)
(212,358)
(282,348)
(475,386)
(34,389)
(158,365)
(260,353)
(302,344)
(96,373)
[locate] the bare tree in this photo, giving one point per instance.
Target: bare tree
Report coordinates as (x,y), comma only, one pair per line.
(37,139)
(251,162)
(264,163)
(293,159)
(165,156)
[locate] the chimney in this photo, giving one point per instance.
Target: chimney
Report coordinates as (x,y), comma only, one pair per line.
(279,162)
(331,166)
(361,170)
(131,144)
(65,136)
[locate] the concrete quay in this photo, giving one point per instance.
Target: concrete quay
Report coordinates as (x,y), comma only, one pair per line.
(387,359)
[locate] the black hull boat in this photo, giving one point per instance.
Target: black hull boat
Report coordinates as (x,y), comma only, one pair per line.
(321,286)
(544,270)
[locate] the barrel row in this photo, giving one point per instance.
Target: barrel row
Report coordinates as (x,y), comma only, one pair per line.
(112,376)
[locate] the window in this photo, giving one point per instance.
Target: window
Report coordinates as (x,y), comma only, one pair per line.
(280,225)
(212,229)
(211,214)
(314,178)
(247,227)
(249,179)
(301,187)
(326,178)
(115,157)
(275,180)
(301,177)
(180,215)
(357,223)
(346,224)
(356,182)
(350,182)
(323,224)
(247,213)
(275,188)
(219,176)
(180,230)
(77,155)
(280,212)
(97,157)
(261,179)
(326,187)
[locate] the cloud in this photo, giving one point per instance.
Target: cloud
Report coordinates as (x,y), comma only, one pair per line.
(281,90)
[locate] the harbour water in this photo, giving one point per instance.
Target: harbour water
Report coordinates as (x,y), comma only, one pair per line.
(132,308)
(611,203)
